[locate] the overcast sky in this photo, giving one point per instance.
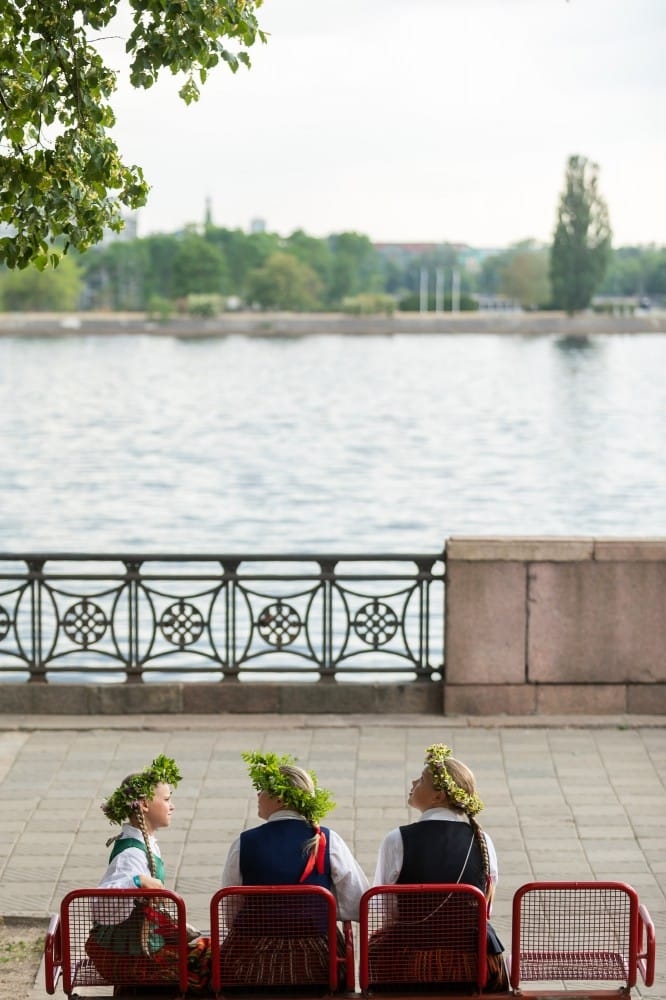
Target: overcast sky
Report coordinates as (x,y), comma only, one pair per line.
(416,120)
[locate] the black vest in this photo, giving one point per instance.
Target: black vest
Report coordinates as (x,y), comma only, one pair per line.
(439,851)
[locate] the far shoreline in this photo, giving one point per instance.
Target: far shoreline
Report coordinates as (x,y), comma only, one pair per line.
(265,324)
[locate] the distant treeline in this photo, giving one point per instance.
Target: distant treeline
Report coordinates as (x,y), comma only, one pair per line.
(207,271)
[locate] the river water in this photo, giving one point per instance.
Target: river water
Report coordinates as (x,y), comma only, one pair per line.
(327,443)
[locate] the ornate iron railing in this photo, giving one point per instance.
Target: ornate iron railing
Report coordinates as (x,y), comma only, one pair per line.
(102,617)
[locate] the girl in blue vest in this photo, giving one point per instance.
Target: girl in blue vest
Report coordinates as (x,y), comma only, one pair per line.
(446,845)
(290,848)
(139,943)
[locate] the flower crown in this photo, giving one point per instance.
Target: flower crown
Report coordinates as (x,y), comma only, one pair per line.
(265,775)
(125,800)
(435,758)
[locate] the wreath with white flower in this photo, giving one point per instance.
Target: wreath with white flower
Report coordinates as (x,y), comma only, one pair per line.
(435,760)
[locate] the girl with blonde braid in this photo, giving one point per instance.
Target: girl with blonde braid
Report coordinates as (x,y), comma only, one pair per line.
(290,848)
(446,845)
(142,939)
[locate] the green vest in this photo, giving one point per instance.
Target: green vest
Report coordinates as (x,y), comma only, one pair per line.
(125,842)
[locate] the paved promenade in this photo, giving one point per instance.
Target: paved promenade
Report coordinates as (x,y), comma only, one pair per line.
(583,797)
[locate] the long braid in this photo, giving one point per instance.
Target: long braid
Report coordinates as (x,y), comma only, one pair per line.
(483,847)
(311,844)
(149,851)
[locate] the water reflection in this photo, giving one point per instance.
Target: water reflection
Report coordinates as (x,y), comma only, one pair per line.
(327,442)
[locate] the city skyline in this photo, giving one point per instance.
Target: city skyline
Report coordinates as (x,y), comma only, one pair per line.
(438,121)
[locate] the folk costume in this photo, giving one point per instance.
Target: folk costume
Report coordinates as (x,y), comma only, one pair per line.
(290,848)
(446,845)
(136,941)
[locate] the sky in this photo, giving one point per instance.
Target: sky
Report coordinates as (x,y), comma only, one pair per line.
(415,121)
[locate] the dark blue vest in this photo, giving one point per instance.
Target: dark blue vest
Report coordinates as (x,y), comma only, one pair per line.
(274,854)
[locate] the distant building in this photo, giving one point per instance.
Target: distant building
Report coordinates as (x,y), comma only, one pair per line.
(257,225)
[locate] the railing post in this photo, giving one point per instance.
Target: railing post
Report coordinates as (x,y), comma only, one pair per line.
(36,578)
(133,573)
(424,579)
(230,668)
(327,571)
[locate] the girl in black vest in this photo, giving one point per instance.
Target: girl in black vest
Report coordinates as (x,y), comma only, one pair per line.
(446,845)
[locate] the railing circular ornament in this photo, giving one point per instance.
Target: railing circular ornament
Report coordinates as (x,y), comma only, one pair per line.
(182,623)
(5,622)
(279,624)
(84,623)
(375,623)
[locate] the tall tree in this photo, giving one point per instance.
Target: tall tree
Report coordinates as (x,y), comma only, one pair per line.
(62,179)
(582,241)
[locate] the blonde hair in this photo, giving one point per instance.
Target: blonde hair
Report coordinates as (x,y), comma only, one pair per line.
(137,815)
(463,778)
(300,779)
(297,777)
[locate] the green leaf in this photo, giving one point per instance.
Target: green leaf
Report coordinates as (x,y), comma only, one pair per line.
(53,75)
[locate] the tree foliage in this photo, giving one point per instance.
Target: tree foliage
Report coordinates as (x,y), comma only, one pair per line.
(636,271)
(62,178)
(284,283)
(519,274)
(30,290)
(199,268)
(582,241)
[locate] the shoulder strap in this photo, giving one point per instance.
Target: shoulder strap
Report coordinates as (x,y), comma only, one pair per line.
(125,842)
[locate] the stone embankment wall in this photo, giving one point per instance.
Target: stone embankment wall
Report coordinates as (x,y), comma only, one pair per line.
(534,627)
(555,626)
(258,324)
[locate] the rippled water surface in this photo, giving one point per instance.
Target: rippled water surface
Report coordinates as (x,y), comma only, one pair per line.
(353,444)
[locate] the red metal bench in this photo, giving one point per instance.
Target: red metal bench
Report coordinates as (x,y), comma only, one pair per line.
(581,932)
(149,945)
(591,939)
(279,937)
(412,935)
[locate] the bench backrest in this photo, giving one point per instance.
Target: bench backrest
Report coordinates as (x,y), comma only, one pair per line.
(278,936)
(121,937)
(578,931)
(419,934)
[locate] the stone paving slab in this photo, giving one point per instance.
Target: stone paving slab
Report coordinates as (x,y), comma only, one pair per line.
(581,798)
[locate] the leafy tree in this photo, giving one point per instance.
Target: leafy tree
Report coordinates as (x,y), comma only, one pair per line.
(161,251)
(285,283)
(582,241)
(244,252)
(314,252)
(61,173)
(115,275)
(521,274)
(198,268)
(356,267)
(42,291)
(637,271)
